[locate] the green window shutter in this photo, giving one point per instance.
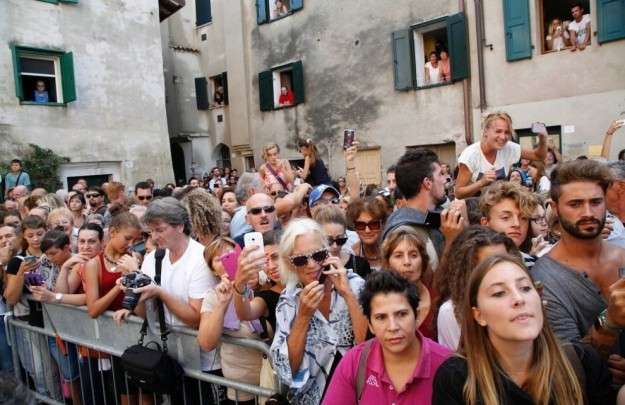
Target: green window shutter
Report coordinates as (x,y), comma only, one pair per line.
(297,5)
(458,46)
(67,77)
(516,14)
(201,93)
(202,12)
(403,60)
(265,88)
(224,83)
(262,11)
(298,82)
(69,1)
(611,20)
(17,77)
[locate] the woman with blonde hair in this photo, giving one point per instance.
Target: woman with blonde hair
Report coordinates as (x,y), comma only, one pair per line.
(489,160)
(275,173)
(509,354)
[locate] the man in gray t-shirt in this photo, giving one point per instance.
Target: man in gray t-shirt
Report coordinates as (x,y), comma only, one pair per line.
(585,296)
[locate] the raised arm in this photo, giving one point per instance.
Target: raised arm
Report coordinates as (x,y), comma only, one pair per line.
(607,139)
(352,178)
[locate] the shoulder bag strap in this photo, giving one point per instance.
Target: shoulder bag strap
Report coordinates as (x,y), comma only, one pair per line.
(277,176)
(159,255)
(17,181)
(362,369)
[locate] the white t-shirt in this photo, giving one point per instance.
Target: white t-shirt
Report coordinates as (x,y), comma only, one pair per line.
(581,28)
(476,162)
(434,72)
(447,326)
(188,278)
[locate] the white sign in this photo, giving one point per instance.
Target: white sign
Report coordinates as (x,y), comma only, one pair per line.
(568,129)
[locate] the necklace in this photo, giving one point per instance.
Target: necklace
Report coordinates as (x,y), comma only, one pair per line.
(108,259)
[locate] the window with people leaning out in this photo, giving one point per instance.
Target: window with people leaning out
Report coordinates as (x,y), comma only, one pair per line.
(281,87)
(431,53)
(219,86)
(42,76)
(566,25)
(269,10)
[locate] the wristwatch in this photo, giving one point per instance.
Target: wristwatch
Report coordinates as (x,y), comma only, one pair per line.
(58,297)
(602,322)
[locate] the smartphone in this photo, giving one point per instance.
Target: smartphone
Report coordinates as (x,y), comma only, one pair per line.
(500,174)
(33,279)
(322,275)
(433,219)
(254,239)
(230,260)
(538,128)
(621,272)
(621,122)
(348,137)
(30,259)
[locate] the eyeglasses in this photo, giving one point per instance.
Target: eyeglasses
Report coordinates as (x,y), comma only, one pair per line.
(318,256)
(94,195)
(257,210)
(144,197)
(339,240)
(372,225)
(539,220)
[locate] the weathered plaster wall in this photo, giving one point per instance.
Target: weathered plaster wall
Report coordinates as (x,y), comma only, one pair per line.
(119,114)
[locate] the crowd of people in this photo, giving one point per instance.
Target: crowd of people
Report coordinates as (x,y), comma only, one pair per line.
(497,282)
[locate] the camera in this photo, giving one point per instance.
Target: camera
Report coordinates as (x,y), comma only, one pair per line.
(132,280)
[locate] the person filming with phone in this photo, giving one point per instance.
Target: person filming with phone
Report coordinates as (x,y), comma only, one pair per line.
(318,318)
(489,160)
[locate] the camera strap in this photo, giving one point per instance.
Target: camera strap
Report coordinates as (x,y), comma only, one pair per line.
(158,256)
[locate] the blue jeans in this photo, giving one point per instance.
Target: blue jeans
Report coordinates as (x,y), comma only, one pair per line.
(68,363)
(6,357)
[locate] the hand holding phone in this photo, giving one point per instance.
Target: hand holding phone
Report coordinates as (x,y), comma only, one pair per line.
(433,219)
(539,128)
(33,279)
(230,261)
(348,138)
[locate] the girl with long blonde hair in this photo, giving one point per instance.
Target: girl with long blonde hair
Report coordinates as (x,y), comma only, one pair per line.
(509,354)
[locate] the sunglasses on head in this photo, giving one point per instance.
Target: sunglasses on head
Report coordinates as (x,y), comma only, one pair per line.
(94,195)
(372,225)
(257,210)
(325,202)
(144,197)
(339,240)
(318,256)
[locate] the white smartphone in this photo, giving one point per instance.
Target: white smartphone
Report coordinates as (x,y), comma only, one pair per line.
(254,239)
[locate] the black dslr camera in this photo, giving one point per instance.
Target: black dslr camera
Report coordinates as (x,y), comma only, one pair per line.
(132,280)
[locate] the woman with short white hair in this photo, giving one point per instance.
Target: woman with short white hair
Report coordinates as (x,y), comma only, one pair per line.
(318,318)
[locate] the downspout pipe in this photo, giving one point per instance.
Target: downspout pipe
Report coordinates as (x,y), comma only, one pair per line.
(466,93)
(481,44)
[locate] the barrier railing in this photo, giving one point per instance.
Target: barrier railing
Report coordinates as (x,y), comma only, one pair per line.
(103,335)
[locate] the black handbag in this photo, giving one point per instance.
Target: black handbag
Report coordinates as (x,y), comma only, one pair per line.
(152,369)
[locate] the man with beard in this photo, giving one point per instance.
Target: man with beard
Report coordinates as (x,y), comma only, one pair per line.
(420,178)
(584,292)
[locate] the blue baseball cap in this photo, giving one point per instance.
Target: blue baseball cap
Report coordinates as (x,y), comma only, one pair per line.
(317,192)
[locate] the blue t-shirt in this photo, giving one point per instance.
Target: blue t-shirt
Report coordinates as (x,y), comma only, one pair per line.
(40,96)
(20,179)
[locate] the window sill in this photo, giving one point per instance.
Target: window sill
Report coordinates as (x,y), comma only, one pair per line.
(43,104)
(197,27)
(284,107)
(568,48)
(216,107)
(281,17)
(431,86)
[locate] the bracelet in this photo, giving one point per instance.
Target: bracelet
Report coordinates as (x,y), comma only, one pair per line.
(234,287)
(350,168)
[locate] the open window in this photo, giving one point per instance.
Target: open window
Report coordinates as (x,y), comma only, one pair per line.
(555,16)
(43,76)
(269,10)
(431,53)
(281,87)
(219,88)
(203,14)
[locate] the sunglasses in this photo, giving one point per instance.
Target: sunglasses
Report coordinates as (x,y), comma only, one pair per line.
(372,225)
(339,240)
(257,210)
(144,197)
(93,195)
(318,256)
(326,202)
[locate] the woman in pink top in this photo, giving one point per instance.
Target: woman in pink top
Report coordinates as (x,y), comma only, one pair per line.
(398,365)
(445,66)
(276,173)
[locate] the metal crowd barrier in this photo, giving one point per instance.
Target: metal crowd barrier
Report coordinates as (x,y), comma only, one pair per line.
(103,335)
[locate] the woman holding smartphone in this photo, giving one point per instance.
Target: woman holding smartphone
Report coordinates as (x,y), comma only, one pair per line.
(484,162)
(509,355)
(314,171)
(318,318)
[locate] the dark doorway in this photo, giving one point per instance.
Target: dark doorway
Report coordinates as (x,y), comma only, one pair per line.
(177,158)
(95,180)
